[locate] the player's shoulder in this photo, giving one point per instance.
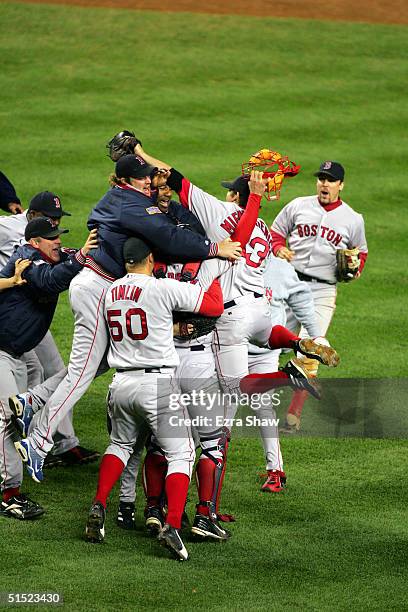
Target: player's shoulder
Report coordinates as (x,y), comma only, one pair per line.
(347,209)
(14,221)
(299,202)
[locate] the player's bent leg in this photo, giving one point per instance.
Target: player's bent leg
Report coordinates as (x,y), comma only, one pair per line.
(210,472)
(87,294)
(125,518)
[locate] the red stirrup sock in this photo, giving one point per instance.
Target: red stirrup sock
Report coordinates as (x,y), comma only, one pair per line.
(9,493)
(298,400)
(176,493)
(280,337)
(154,474)
(205,483)
(110,471)
(259,383)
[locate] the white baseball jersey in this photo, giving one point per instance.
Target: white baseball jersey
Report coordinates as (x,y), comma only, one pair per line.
(315,233)
(219,220)
(209,270)
(138,310)
(11,234)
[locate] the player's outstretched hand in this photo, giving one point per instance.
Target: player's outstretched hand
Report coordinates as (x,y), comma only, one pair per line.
(229,250)
(91,242)
(257,184)
(19,267)
(285,253)
(15,208)
(160,178)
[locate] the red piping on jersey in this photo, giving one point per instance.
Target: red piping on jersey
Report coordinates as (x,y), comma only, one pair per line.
(278,241)
(331,206)
(246,224)
(100,304)
(184,193)
(212,304)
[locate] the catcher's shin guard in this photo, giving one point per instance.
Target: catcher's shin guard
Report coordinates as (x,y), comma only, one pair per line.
(210,473)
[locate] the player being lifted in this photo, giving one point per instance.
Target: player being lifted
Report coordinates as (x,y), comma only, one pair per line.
(246,314)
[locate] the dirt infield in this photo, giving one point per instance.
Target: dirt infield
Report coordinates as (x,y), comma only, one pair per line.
(370,11)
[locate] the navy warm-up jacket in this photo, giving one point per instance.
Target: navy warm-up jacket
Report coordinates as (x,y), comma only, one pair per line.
(7,193)
(26,311)
(122,213)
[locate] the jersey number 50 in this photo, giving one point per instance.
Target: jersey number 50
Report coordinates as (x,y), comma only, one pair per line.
(115,322)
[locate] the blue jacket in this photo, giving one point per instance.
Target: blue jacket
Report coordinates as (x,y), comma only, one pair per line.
(123,213)
(7,193)
(26,311)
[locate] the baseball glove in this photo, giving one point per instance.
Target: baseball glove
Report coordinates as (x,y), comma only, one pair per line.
(201,325)
(122,144)
(348,263)
(275,168)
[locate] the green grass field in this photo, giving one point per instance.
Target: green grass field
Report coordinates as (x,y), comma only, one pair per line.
(204,92)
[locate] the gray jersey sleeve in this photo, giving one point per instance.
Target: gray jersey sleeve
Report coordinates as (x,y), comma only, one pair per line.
(358,238)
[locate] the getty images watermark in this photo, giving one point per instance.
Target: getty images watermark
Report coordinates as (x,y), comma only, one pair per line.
(218,409)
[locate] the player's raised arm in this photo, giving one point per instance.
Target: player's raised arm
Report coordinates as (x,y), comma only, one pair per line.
(14,281)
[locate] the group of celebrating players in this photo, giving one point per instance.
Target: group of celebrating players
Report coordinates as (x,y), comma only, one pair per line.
(183,299)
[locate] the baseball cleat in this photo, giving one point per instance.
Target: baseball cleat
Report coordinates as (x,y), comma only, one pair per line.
(204,527)
(21,413)
(299,380)
(75,456)
(293,421)
(52,461)
(185,521)
(312,349)
(170,538)
(21,507)
(32,458)
(275,482)
(95,526)
(125,519)
(79,456)
(154,519)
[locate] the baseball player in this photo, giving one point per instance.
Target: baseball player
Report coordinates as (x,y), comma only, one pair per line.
(9,201)
(196,372)
(44,361)
(126,209)
(307,232)
(29,308)
(246,312)
(283,289)
(138,310)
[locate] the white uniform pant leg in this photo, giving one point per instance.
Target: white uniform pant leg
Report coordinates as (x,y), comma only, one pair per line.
(324,298)
(130,473)
(261,364)
(41,393)
(52,363)
(35,371)
(249,320)
(87,296)
(13,380)
(148,395)
(197,377)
